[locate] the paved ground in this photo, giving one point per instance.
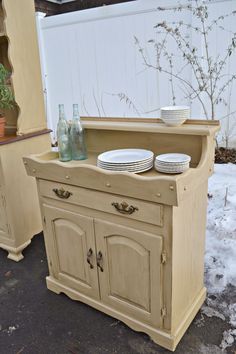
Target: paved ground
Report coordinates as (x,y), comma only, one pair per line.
(34,320)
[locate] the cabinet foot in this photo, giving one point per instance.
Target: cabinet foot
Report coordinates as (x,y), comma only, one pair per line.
(52,286)
(15,253)
(15,256)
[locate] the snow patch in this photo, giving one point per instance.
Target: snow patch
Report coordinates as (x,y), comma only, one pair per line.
(210,349)
(228,338)
(232,311)
(220,254)
(211,312)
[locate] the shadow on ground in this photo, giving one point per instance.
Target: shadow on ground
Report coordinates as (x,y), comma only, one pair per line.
(34,320)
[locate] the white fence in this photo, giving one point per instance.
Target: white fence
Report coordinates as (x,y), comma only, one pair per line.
(90,57)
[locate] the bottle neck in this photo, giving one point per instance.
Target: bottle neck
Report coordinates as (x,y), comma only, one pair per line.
(76,115)
(61,112)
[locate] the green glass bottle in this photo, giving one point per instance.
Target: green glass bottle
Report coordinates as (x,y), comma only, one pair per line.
(63,137)
(77,138)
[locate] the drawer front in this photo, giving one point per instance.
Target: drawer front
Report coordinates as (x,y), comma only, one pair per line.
(110,203)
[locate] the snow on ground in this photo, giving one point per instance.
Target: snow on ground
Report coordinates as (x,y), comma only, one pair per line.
(220,256)
(221,229)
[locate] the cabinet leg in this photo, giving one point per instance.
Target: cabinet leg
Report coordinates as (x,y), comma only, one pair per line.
(51,285)
(15,256)
(15,253)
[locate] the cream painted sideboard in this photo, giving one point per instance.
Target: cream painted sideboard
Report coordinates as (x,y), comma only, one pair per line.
(26,128)
(129,245)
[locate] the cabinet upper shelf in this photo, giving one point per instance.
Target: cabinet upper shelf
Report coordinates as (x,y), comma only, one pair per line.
(150,185)
(190,127)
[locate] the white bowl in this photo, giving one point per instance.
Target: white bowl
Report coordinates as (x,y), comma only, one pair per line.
(175,108)
(174,122)
(175,115)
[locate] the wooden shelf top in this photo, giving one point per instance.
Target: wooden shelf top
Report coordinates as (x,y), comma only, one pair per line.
(91,162)
(8,139)
(150,185)
(190,127)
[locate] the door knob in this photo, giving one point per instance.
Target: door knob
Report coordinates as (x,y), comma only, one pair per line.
(89,256)
(99,261)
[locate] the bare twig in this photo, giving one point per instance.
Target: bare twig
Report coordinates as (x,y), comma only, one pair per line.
(96,103)
(211,83)
(85,106)
(103,110)
(123,97)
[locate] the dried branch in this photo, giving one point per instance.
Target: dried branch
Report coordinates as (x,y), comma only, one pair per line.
(123,97)
(83,103)
(95,100)
(210,81)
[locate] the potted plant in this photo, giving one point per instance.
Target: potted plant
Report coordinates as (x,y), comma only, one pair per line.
(6,96)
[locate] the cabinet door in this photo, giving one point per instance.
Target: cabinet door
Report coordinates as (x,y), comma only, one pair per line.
(130,278)
(70,245)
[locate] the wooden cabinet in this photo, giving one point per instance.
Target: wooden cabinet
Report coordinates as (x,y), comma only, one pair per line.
(71,243)
(20,54)
(144,268)
(130,270)
(118,264)
(26,128)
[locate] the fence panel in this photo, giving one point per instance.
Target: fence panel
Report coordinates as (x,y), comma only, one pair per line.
(90,57)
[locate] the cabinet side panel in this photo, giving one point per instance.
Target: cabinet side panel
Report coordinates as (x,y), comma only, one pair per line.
(23,55)
(20,190)
(189,224)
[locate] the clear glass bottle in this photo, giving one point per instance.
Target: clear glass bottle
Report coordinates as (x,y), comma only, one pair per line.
(63,136)
(78,146)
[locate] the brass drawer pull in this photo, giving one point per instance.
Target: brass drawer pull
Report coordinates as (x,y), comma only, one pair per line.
(124,208)
(89,255)
(99,261)
(61,193)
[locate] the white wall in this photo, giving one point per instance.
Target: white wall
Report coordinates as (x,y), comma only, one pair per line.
(90,57)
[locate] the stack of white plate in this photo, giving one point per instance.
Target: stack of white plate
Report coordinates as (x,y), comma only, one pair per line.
(172,163)
(126,160)
(175,115)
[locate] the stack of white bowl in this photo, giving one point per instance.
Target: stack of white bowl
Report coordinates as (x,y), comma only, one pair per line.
(175,115)
(172,163)
(126,160)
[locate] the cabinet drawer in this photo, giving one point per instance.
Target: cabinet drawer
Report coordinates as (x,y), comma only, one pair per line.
(110,203)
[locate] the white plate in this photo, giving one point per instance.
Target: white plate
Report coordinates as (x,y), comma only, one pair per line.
(126,168)
(125,164)
(173,158)
(165,170)
(171,167)
(125,156)
(134,171)
(175,164)
(171,170)
(135,164)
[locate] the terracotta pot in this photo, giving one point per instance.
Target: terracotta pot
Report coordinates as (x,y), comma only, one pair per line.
(2,126)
